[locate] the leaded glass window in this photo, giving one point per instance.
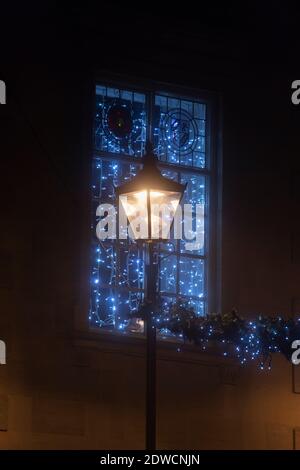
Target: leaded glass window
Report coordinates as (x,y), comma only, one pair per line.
(178,127)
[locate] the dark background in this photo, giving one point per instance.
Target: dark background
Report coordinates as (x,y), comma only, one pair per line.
(62,389)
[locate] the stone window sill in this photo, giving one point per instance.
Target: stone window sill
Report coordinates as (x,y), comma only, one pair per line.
(167,349)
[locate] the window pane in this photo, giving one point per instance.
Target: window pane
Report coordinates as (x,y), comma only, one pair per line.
(131,266)
(128,303)
(105,264)
(103,308)
(107,175)
(193,229)
(191,277)
(170,174)
(120,121)
(111,309)
(168,273)
(180,131)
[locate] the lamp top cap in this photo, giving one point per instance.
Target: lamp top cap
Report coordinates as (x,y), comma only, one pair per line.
(150,176)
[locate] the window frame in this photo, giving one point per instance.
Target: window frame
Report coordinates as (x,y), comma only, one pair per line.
(213,189)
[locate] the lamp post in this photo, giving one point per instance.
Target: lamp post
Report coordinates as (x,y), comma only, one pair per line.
(150,201)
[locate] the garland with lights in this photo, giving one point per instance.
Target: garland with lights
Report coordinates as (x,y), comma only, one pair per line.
(238,337)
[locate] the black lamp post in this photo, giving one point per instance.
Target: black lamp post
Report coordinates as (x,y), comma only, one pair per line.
(150,201)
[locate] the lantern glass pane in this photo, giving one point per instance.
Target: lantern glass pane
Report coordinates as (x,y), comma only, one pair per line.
(136,211)
(163,209)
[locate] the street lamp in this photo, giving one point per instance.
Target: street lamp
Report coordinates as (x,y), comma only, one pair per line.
(150,202)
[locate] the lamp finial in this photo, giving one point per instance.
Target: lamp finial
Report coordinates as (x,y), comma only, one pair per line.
(149,156)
